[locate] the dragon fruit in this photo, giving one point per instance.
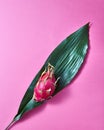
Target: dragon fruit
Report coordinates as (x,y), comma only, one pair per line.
(46,85)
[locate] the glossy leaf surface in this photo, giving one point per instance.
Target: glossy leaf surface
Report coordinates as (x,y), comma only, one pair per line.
(67,58)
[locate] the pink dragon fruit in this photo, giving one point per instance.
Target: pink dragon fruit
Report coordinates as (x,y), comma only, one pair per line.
(46,85)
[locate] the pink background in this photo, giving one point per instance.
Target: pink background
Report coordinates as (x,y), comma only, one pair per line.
(29,31)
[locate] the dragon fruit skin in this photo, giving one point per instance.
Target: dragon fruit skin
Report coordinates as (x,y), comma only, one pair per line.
(46,85)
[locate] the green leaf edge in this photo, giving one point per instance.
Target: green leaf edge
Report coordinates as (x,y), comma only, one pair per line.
(30,103)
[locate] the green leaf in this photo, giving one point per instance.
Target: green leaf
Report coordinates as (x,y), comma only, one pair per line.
(67,58)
